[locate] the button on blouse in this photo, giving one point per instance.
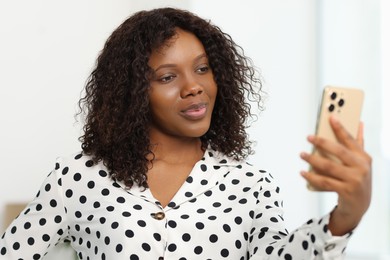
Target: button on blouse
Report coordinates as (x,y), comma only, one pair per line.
(158,215)
(226,209)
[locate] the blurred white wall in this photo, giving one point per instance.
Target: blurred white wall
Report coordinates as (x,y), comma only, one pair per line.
(352,46)
(48,48)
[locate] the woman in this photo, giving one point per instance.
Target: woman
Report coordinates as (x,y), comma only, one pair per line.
(162,174)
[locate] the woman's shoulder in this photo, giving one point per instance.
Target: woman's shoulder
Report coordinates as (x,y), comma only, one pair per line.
(79,162)
(76,158)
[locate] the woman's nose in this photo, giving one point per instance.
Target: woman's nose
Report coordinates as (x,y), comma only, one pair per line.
(191,87)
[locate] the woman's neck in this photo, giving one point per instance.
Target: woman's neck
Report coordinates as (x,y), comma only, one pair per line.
(175,150)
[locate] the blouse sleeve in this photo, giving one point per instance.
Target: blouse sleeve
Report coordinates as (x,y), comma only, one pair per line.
(40,226)
(270,240)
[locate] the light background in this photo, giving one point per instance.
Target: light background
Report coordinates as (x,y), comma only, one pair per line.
(48,48)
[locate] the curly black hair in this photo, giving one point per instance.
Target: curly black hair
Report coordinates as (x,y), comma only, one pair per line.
(116,100)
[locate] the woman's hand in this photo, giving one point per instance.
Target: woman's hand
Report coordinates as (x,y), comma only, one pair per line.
(351,178)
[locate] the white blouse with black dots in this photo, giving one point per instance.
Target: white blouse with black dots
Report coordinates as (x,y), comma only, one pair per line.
(224,210)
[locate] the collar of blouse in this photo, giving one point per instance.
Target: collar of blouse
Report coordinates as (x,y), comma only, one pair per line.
(207,173)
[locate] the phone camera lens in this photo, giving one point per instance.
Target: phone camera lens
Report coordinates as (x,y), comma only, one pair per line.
(331,108)
(333,96)
(341,102)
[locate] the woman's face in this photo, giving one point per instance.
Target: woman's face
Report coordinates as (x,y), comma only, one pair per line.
(182,90)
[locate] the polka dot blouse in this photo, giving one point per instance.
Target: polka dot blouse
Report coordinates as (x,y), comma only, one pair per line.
(224,210)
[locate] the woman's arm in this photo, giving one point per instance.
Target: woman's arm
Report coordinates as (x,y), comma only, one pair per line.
(40,226)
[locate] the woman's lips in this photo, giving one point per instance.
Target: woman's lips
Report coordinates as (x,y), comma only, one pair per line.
(195,111)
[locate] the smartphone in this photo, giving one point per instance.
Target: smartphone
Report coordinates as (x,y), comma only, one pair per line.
(343,103)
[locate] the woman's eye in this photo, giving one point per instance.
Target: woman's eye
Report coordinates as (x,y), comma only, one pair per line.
(166,78)
(203,69)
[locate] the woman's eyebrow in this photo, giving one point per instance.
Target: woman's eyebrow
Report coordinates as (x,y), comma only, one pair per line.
(168,65)
(172,65)
(200,56)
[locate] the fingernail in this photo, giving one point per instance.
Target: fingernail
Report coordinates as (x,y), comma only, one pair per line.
(334,119)
(310,138)
(303,155)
